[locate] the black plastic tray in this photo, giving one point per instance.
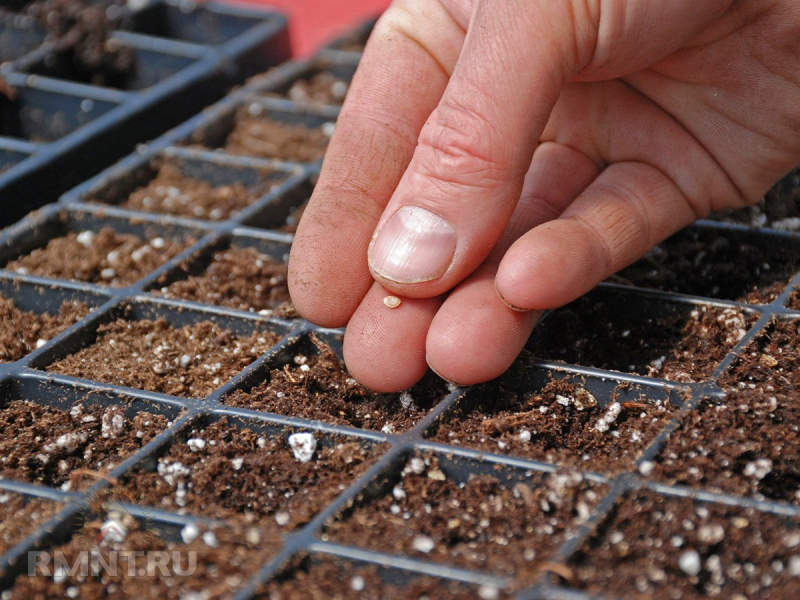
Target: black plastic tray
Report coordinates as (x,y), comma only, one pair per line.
(28,379)
(60,130)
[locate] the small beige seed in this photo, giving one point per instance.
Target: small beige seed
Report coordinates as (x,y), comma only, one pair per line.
(392,301)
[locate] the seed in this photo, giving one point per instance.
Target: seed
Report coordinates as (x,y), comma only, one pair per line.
(392,301)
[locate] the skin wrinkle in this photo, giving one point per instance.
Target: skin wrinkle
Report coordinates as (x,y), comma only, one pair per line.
(743,128)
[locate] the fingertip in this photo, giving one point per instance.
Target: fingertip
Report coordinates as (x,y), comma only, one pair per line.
(384,348)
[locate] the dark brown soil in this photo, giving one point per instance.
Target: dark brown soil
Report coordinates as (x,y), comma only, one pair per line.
(293,220)
(656,546)
(21,332)
(191,361)
(748,443)
(79,33)
(174,193)
(318,387)
(237,277)
(562,423)
(717,264)
(222,471)
(104,257)
(780,208)
(485,524)
(257,135)
(20,516)
(51,447)
(329,577)
(682,343)
(193,570)
(319,89)
(794,300)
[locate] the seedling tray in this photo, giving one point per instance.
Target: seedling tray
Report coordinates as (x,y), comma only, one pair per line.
(60,128)
(593,468)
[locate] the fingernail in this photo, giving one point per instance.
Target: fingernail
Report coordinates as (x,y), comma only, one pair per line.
(414,245)
(506,302)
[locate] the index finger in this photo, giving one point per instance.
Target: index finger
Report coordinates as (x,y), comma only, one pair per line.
(404,70)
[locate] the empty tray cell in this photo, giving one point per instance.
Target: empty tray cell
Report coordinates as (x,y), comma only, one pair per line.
(587,424)
(21,515)
(309,381)
(673,547)
(247,274)
(31,315)
(748,442)
(114,552)
(39,115)
(247,472)
(470,515)
(327,576)
(718,263)
(680,342)
(319,85)
(104,252)
(19,34)
(779,209)
(259,131)
(193,23)
(170,351)
(132,68)
(67,438)
(9,158)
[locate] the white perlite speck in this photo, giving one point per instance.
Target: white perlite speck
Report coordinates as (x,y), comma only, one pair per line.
(646,468)
(758,469)
(282,518)
(357,583)
(488,592)
(794,566)
(113,423)
(406,401)
(422,543)
(524,436)
(611,414)
(210,540)
(237,463)
(189,533)
(689,562)
(303,445)
(85,238)
(711,534)
(196,444)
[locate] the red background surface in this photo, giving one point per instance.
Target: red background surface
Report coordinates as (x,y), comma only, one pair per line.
(313,23)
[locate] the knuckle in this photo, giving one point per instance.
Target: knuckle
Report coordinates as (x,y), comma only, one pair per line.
(458,145)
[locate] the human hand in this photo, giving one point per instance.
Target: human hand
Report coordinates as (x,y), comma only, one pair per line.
(531,149)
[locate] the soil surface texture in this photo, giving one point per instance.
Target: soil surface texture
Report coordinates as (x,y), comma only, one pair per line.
(562,423)
(82,50)
(316,386)
(319,89)
(323,577)
(21,331)
(749,442)
(487,523)
(224,472)
(191,361)
(682,343)
(20,516)
(212,563)
(794,300)
(779,209)
(717,264)
(657,546)
(104,257)
(258,135)
(174,193)
(236,277)
(55,447)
